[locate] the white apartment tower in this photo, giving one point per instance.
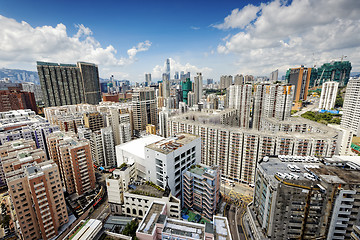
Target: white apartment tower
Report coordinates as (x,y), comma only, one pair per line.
(240,99)
(328,95)
(351,116)
(271,101)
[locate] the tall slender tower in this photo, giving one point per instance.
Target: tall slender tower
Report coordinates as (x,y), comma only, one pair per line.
(168,68)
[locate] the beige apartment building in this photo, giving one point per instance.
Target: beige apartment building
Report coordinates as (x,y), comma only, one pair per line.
(38,199)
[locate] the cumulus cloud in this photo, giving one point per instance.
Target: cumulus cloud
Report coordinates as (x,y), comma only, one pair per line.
(176,66)
(282,34)
(23,44)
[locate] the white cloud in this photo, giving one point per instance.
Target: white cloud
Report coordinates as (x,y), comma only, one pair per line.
(194,28)
(176,66)
(239,18)
(22,44)
(282,34)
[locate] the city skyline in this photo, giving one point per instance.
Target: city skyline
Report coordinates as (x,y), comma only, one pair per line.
(128,40)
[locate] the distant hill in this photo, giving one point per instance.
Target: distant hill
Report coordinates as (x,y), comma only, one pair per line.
(19,76)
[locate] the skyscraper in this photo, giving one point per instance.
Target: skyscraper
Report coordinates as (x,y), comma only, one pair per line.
(168,68)
(186,88)
(240,99)
(239,79)
(198,87)
(65,84)
(225,81)
(274,75)
(351,116)
(144,108)
(300,77)
(147,79)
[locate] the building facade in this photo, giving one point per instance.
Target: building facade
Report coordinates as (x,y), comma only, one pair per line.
(144,108)
(66,84)
(328,95)
(351,113)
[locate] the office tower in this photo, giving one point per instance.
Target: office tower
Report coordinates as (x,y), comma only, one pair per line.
(147,79)
(240,99)
(165,85)
(17,99)
(176,76)
(328,95)
(274,76)
(225,81)
(337,71)
(168,68)
(93,120)
(74,159)
(236,151)
(239,79)
(186,88)
(144,108)
(302,198)
(198,87)
(300,78)
(187,75)
(38,200)
(65,84)
(209,81)
(271,101)
(201,189)
(351,116)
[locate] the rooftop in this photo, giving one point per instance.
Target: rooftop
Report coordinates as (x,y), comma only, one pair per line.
(221,227)
(308,170)
(170,144)
(202,169)
(136,147)
(183,228)
(147,189)
(147,225)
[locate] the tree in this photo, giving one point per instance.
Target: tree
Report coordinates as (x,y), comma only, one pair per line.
(130,229)
(5,221)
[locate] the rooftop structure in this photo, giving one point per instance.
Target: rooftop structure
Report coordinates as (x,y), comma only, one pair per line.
(85,230)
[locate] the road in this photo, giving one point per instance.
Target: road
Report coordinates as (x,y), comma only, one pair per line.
(310,107)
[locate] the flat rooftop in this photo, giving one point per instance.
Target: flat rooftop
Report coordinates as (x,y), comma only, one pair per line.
(146,190)
(298,169)
(136,147)
(184,229)
(221,227)
(170,144)
(202,169)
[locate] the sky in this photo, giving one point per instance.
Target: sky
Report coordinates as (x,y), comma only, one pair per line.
(130,38)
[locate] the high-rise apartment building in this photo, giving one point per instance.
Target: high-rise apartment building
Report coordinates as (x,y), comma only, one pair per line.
(328,95)
(17,99)
(351,111)
(240,99)
(94,121)
(271,101)
(201,189)
(300,78)
(103,147)
(38,199)
(74,159)
(225,81)
(236,151)
(144,108)
(249,79)
(198,87)
(239,79)
(274,76)
(65,84)
(34,88)
(302,198)
(168,68)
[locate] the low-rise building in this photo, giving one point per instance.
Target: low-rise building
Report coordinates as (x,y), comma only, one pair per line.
(157,225)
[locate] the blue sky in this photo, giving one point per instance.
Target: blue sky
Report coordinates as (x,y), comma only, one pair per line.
(129,38)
